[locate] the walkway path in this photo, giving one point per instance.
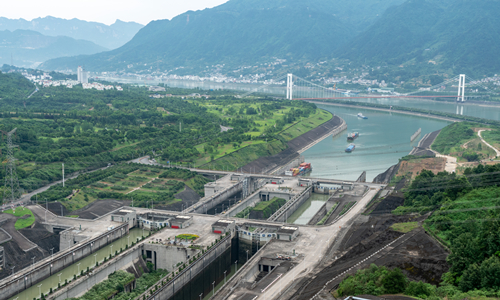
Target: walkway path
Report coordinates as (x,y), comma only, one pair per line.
(451,162)
(482,140)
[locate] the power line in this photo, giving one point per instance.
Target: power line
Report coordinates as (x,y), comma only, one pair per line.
(11,191)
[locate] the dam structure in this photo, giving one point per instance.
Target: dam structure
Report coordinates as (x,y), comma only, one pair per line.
(224,238)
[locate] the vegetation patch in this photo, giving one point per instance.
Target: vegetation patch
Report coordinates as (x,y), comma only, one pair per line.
(25,217)
(187,236)
(110,287)
(305,125)
(404,227)
(347,206)
(265,209)
(465,218)
(328,214)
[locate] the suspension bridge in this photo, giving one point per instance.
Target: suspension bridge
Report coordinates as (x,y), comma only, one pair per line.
(298,88)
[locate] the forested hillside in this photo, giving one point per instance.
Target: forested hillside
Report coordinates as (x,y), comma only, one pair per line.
(14,85)
(239,32)
(87,129)
(449,34)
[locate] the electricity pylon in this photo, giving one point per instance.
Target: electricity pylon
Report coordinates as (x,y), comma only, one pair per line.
(11,191)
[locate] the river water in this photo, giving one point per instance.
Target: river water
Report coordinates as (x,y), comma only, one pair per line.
(69,272)
(383,138)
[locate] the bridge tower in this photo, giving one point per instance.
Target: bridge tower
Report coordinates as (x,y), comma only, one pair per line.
(11,191)
(461,88)
(289,87)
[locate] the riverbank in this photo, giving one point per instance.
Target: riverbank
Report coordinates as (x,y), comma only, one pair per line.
(295,147)
(391,111)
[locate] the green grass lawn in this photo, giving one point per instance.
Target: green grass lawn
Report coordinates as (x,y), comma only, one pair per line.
(20,212)
(78,201)
(404,227)
(222,150)
(303,126)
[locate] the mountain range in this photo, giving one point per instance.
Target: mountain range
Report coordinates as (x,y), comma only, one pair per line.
(449,33)
(27,48)
(106,36)
(446,33)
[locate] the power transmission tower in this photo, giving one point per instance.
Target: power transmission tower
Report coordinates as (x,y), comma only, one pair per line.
(11,191)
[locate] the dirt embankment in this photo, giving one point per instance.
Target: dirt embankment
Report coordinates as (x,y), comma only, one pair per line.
(99,208)
(423,149)
(266,163)
(188,197)
(15,256)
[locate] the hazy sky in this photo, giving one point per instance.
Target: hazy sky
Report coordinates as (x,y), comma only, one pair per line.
(103,11)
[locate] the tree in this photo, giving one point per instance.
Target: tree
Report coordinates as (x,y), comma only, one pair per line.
(395,282)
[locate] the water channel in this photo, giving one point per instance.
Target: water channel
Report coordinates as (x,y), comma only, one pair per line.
(307,210)
(89,261)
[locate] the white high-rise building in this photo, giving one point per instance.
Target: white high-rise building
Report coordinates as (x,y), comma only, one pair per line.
(82,75)
(79,74)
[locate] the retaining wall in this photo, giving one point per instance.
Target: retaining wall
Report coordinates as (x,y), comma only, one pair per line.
(168,290)
(83,284)
(49,266)
(209,202)
(287,210)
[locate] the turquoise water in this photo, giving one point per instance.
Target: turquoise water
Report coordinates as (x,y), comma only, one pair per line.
(383,138)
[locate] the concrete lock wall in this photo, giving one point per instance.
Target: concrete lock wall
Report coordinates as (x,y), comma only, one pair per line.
(166,256)
(249,201)
(212,201)
(294,206)
(83,284)
(168,290)
(44,269)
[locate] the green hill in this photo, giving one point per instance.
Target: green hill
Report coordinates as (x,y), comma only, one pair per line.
(451,34)
(14,85)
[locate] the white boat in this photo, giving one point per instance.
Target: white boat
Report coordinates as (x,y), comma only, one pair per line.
(360,115)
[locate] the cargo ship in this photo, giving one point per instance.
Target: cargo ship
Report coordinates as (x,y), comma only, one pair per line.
(303,169)
(352,136)
(350,148)
(360,115)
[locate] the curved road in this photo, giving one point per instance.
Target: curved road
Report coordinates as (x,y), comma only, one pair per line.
(487,144)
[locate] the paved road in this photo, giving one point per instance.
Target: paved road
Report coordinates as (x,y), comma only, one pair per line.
(487,144)
(316,242)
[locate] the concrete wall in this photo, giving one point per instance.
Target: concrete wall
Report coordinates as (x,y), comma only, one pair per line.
(168,290)
(256,198)
(83,284)
(43,269)
(166,256)
(291,206)
(209,202)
